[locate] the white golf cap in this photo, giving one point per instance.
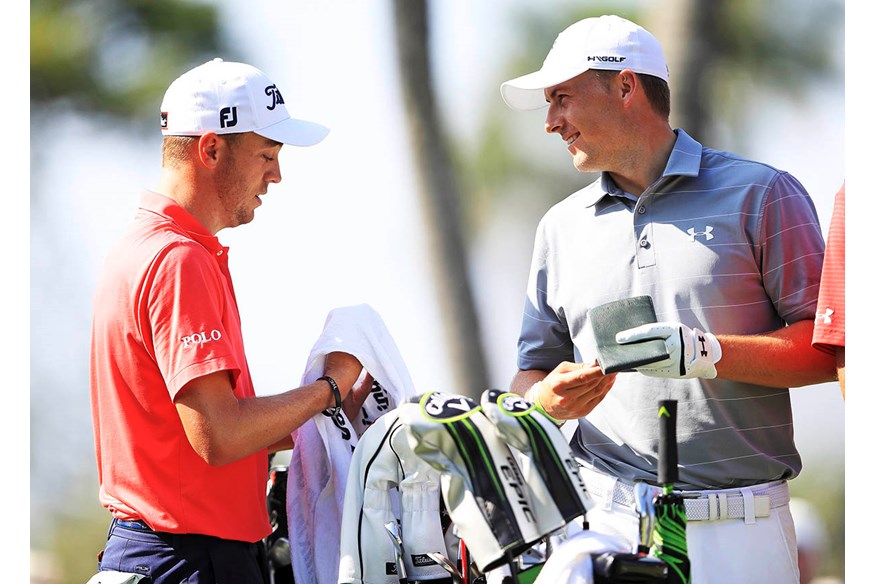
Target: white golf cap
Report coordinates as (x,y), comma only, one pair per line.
(604,42)
(230,98)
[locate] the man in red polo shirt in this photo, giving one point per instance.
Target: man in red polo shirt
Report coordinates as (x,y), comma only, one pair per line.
(182,440)
(829,334)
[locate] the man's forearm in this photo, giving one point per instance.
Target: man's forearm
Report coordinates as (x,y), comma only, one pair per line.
(784,358)
(222,428)
(523,380)
(286,443)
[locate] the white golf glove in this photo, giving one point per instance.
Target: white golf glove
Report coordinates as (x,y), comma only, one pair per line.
(692,352)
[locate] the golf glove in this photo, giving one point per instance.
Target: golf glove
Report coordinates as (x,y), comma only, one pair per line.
(692,352)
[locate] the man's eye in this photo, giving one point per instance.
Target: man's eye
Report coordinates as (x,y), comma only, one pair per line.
(268,158)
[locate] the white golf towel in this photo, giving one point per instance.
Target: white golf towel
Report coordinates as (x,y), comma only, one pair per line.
(324,444)
(572,562)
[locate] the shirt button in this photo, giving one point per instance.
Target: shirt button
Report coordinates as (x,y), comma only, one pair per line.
(643,243)
(219,252)
(642,210)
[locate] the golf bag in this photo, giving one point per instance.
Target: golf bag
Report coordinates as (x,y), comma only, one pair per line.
(278,557)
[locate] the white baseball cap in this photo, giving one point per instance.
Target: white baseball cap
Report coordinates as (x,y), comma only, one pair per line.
(230,98)
(604,42)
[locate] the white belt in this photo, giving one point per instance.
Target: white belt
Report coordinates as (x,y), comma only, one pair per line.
(710,505)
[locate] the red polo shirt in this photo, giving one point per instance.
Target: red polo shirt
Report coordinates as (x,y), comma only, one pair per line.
(830,317)
(164,314)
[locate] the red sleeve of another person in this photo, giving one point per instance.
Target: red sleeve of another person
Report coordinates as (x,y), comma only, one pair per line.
(830,319)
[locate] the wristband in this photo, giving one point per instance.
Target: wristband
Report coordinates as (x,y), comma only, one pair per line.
(335,390)
(532,396)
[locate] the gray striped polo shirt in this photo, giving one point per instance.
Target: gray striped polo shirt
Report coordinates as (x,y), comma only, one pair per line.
(719,242)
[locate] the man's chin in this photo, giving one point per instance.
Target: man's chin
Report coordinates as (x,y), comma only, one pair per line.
(244,217)
(583,164)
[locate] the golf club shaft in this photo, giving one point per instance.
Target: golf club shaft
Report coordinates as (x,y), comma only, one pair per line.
(670,529)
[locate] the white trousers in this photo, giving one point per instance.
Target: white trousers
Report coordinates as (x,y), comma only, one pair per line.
(720,550)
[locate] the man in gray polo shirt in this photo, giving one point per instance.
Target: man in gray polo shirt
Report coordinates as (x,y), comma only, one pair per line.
(729,249)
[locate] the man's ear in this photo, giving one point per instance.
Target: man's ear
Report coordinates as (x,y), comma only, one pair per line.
(629,85)
(209,146)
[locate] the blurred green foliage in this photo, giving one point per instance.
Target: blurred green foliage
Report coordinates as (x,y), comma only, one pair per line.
(825,490)
(114,57)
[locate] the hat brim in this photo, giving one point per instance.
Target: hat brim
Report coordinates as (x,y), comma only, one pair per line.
(527,92)
(295,132)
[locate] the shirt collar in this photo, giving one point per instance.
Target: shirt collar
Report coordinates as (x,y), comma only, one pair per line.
(163,205)
(684,160)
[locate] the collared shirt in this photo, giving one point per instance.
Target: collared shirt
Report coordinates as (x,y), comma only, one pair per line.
(164,314)
(721,243)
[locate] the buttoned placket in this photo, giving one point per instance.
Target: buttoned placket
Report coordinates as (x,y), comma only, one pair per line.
(643,228)
(222,260)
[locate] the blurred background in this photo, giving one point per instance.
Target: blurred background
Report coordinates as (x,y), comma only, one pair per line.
(422,201)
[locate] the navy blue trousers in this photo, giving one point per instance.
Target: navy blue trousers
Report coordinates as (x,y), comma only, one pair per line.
(168,558)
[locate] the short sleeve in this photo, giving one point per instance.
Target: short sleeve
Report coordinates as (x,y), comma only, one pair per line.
(544,340)
(186,311)
(793,250)
(830,318)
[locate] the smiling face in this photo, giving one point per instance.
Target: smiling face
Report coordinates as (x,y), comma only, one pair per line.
(586,112)
(250,165)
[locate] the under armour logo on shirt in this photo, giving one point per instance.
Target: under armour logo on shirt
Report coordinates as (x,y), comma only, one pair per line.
(692,233)
(826,316)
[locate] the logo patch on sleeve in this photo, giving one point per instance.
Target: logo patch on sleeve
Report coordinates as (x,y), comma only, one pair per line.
(198,339)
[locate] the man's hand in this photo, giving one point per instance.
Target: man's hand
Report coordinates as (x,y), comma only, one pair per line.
(692,352)
(571,390)
(353,402)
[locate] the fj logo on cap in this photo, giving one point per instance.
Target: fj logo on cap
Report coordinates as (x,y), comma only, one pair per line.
(274,93)
(163,120)
(228,117)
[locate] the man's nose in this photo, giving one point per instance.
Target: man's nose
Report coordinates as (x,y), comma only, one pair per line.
(274,175)
(552,122)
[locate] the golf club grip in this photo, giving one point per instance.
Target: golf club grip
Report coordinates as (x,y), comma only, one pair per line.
(667,463)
